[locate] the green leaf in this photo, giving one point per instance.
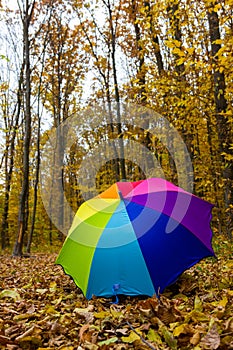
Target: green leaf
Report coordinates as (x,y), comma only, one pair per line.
(8,293)
(153,336)
(108,341)
(169,338)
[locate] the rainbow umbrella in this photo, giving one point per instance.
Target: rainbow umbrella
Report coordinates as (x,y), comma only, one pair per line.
(136,238)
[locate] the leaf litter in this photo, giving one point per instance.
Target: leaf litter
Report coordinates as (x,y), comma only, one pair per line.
(41,308)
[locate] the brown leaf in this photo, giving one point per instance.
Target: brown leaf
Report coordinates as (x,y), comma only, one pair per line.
(211,340)
(166,314)
(12,330)
(122,331)
(5,340)
(229,325)
(195,338)
(31,309)
(82,330)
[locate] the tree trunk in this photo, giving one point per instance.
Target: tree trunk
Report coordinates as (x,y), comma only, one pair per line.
(9,156)
(223,127)
(28,249)
(117,95)
(172,10)
(154,39)
(23,204)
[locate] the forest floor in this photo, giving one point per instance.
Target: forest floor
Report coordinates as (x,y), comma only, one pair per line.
(41,308)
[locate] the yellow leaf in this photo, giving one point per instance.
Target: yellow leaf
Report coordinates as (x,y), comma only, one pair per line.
(217,7)
(131,338)
(51,310)
(180,61)
(223,302)
(198,304)
(53,286)
(190,50)
(177,43)
(178,52)
(196,316)
(33,340)
(116,314)
(169,44)
(218,42)
(102,314)
(25,316)
(230,292)
(182,329)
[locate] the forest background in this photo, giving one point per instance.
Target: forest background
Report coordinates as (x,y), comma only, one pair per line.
(59,58)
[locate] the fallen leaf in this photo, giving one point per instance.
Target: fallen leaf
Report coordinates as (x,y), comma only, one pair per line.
(108,341)
(131,337)
(25,316)
(153,336)
(52,286)
(182,329)
(30,331)
(196,316)
(5,340)
(41,290)
(102,314)
(122,331)
(169,339)
(7,293)
(195,338)
(198,304)
(34,340)
(211,340)
(82,330)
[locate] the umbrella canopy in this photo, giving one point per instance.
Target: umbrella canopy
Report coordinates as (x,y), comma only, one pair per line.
(136,238)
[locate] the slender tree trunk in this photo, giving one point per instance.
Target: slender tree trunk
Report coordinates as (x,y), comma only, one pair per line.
(172,10)
(223,127)
(37,173)
(28,249)
(23,205)
(9,164)
(154,39)
(141,76)
(4,225)
(117,94)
